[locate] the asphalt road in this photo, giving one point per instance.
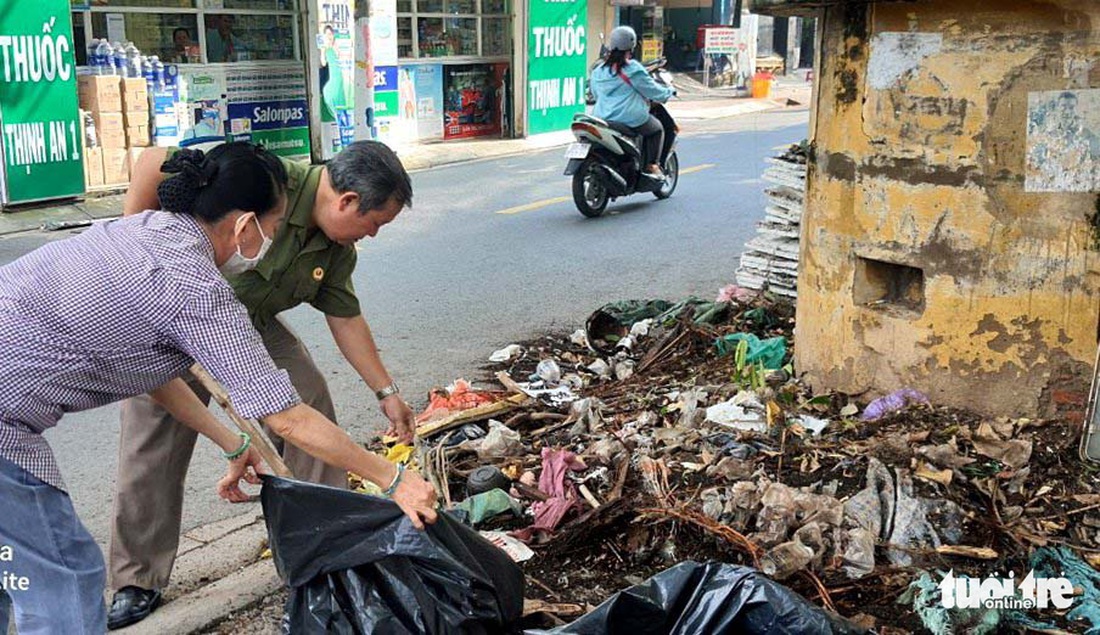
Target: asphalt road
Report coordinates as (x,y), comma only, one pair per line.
(492,252)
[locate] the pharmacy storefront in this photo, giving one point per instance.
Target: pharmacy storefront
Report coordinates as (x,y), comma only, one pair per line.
(442,69)
(236,68)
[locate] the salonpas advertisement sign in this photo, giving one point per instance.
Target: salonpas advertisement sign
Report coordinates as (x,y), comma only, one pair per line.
(40,132)
(556,72)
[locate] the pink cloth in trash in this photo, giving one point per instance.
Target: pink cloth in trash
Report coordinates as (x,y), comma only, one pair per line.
(563,493)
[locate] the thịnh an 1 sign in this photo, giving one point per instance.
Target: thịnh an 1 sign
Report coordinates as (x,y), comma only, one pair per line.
(42,134)
(556,69)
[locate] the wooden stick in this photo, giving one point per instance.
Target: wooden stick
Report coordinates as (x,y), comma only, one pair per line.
(589,496)
(476,413)
(506,380)
(249,427)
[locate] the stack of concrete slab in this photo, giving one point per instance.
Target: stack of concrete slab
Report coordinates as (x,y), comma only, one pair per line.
(770,259)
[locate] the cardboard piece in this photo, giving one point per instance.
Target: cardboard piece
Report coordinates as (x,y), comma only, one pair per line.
(131,118)
(99,93)
(135,94)
(137,136)
(109,129)
(93,167)
(116,166)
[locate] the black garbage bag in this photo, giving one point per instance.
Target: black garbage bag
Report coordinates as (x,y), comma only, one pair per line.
(355,564)
(713,598)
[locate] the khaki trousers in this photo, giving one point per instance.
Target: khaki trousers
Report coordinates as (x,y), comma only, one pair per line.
(155,450)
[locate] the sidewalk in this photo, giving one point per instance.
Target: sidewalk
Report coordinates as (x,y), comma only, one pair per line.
(424,156)
(218,570)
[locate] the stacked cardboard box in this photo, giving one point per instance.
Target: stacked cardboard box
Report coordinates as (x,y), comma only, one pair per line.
(120,108)
(135,104)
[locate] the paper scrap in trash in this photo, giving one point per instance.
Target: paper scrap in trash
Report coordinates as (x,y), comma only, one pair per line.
(515,548)
(556,396)
(732,415)
(813,424)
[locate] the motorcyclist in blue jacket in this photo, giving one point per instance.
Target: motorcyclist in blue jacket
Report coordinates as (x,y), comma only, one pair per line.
(623,89)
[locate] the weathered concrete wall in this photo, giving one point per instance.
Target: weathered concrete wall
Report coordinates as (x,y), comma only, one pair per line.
(926,261)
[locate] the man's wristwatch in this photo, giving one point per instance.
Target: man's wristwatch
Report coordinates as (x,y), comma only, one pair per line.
(387,391)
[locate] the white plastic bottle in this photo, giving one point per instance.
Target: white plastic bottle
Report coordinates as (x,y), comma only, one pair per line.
(118,59)
(104,63)
(133,60)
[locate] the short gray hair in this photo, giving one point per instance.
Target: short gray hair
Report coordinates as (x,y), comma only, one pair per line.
(373,171)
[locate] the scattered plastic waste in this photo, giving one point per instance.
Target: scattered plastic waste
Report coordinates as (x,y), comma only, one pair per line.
(741,413)
(601,369)
(500,442)
(485,478)
(734,293)
(767,353)
(515,549)
(399,453)
(813,424)
(506,354)
(486,505)
(785,559)
(549,372)
(895,401)
(455,398)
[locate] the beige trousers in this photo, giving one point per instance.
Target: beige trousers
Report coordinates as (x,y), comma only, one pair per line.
(154,451)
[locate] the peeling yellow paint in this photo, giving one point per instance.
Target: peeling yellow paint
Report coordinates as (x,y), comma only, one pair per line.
(927,173)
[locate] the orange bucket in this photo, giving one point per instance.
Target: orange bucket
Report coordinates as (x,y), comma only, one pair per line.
(762,85)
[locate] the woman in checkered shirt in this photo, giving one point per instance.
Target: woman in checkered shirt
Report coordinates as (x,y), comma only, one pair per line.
(124,309)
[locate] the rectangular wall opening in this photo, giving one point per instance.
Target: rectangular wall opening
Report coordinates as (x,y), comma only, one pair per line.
(887,285)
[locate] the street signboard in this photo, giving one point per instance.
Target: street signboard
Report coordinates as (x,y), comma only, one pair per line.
(720,41)
(556,69)
(40,129)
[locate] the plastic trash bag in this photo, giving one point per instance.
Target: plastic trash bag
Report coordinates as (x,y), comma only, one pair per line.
(486,505)
(713,598)
(768,353)
(355,564)
(895,401)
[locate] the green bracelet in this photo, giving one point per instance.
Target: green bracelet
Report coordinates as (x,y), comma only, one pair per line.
(246,443)
(396,480)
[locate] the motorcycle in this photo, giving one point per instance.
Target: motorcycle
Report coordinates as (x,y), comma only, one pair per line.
(606,160)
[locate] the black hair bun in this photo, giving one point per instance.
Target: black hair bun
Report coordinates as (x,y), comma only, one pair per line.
(178,192)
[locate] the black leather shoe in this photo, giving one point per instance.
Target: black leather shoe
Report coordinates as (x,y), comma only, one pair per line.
(131,605)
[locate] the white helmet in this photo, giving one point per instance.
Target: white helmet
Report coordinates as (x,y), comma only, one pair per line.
(622,38)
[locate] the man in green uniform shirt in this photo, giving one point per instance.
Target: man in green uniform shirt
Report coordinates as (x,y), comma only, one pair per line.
(311,260)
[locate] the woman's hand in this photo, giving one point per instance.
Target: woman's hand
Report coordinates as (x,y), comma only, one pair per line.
(248,466)
(417,498)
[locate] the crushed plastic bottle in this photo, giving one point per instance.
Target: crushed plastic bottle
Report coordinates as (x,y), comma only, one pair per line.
(786,559)
(549,371)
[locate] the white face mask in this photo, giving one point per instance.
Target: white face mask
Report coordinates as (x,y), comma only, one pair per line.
(238,263)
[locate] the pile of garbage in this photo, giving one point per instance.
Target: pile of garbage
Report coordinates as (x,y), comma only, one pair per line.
(668,432)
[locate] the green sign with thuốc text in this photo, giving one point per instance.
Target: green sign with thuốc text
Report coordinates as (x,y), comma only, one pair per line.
(40,129)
